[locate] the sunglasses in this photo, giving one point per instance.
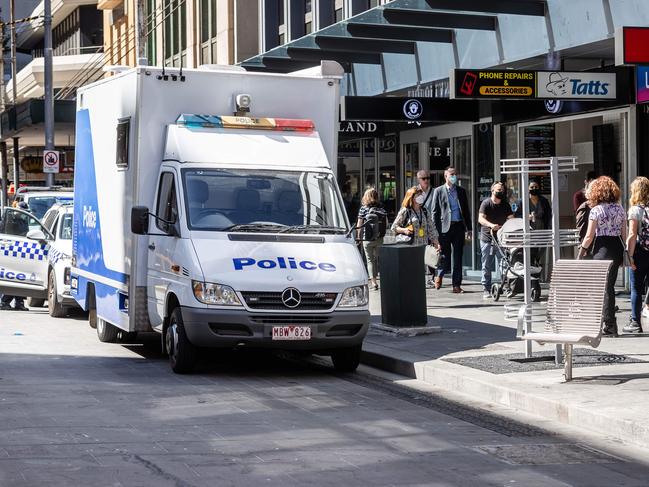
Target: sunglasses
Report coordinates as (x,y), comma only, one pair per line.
(424,179)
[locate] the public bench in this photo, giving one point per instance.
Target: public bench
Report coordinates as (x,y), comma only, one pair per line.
(574,309)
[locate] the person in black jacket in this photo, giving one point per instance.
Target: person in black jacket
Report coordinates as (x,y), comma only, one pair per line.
(452,219)
(540,215)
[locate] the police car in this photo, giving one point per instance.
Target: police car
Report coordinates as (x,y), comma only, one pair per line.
(41,199)
(35,256)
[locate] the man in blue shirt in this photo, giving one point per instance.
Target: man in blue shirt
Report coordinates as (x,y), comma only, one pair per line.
(452,218)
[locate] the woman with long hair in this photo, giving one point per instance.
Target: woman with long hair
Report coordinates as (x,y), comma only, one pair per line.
(370,204)
(413,222)
(638,246)
(606,232)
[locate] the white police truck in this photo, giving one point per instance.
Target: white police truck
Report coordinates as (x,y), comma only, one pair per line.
(206,209)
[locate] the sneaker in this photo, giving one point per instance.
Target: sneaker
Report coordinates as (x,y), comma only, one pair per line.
(632,327)
(486,295)
(610,331)
(430,284)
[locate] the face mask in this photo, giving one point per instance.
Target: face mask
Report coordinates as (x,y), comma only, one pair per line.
(420,199)
(534,192)
(452,179)
(499,194)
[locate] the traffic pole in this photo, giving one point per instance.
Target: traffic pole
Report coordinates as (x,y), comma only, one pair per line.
(49,85)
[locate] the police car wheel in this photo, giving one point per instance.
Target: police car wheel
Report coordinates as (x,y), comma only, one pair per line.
(346,360)
(182,354)
(106,332)
(54,307)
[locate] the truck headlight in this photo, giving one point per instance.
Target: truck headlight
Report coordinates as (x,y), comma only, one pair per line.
(210,293)
(354,297)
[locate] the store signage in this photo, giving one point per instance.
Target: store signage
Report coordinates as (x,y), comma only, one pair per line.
(553,106)
(642,84)
(632,45)
(476,83)
(370,129)
(400,109)
(503,84)
(440,153)
(558,84)
(32,164)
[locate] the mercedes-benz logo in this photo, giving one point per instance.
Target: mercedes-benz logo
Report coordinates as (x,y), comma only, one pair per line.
(291,297)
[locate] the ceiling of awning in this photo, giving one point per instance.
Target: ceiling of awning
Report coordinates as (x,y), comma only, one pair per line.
(406,43)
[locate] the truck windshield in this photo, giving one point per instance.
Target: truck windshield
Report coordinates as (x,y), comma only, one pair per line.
(264,201)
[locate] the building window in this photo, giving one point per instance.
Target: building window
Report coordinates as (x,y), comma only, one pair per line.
(152,32)
(308,27)
(175,32)
(208,31)
(307,6)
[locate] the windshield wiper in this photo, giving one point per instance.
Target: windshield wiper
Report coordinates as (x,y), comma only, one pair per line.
(317,228)
(252,227)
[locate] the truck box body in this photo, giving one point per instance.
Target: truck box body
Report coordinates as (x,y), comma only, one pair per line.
(134,126)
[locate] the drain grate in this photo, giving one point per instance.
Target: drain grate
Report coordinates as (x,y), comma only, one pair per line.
(547,454)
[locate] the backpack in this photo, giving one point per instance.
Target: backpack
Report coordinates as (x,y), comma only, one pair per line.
(643,232)
(382,220)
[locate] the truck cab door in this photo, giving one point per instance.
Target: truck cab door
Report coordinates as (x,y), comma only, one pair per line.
(23,260)
(162,271)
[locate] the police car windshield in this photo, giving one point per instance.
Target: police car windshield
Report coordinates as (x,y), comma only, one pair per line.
(38,205)
(251,200)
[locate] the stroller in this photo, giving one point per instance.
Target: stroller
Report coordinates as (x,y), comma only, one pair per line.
(512,277)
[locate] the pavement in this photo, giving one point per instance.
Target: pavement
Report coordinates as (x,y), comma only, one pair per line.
(77,412)
(476,354)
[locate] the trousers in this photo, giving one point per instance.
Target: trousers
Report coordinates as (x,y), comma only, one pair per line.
(452,243)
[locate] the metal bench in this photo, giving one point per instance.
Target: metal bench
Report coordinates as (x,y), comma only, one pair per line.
(574,309)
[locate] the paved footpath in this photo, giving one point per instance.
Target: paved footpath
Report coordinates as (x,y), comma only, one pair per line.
(76,412)
(473,355)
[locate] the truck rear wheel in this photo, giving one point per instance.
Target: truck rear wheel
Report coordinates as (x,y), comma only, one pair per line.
(182,354)
(55,308)
(347,359)
(106,332)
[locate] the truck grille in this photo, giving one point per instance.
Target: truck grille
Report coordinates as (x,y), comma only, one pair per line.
(273,300)
(282,319)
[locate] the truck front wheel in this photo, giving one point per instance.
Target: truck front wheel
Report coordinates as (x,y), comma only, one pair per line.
(182,354)
(347,359)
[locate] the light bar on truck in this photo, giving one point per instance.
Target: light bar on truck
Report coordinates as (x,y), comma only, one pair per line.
(231,122)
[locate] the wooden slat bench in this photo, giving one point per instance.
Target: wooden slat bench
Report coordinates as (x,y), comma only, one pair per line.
(574,309)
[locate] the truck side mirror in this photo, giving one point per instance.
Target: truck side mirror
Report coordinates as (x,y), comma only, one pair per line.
(140,220)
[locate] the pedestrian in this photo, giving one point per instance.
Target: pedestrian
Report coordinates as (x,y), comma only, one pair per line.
(638,246)
(423,183)
(540,215)
(607,232)
(580,195)
(452,219)
(494,212)
(413,223)
(370,205)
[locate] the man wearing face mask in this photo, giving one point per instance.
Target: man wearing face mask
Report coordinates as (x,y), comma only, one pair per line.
(452,218)
(540,216)
(493,213)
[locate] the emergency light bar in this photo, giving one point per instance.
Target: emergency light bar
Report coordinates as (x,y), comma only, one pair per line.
(230,122)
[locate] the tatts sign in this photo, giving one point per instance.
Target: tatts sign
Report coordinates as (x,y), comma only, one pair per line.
(592,86)
(513,84)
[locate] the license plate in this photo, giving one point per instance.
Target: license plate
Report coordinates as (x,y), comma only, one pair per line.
(291,332)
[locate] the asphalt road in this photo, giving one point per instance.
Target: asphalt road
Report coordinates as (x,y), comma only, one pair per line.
(76,412)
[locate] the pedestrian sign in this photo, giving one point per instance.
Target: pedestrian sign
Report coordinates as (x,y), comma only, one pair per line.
(51,161)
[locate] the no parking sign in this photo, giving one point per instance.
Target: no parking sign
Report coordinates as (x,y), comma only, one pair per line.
(51,161)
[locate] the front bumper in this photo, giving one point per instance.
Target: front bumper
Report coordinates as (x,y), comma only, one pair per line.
(220,328)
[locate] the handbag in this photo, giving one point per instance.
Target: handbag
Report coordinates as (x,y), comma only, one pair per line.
(627,260)
(431,256)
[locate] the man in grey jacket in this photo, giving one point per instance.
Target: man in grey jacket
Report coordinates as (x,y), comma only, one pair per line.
(452,218)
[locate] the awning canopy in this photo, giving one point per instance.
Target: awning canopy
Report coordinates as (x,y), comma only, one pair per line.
(406,43)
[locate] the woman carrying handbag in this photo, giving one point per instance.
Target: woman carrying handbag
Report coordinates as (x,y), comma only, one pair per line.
(638,246)
(413,223)
(606,232)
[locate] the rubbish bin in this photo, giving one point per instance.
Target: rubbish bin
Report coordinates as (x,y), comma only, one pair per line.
(403,285)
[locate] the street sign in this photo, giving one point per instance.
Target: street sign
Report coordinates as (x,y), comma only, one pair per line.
(575,86)
(492,83)
(631,45)
(642,84)
(51,161)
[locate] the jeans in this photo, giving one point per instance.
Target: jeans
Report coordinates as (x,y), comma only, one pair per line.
(609,248)
(638,281)
(372,256)
(488,256)
(454,239)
